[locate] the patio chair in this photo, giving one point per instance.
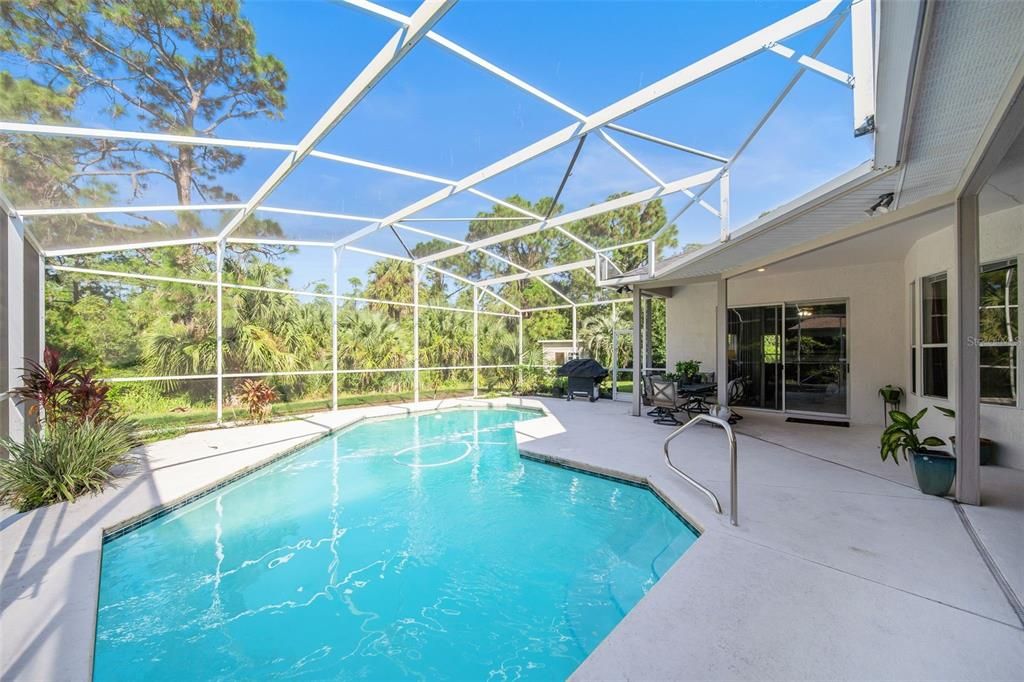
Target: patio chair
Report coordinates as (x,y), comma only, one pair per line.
(648,392)
(666,401)
(735,390)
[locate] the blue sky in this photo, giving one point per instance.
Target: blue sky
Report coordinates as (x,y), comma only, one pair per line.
(437,114)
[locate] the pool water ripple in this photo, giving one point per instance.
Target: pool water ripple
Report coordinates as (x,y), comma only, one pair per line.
(420,547)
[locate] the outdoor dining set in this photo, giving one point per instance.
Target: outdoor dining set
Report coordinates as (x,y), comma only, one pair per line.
(668,397)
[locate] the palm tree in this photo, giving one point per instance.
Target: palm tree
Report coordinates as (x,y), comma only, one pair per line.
(369,339)
(596,338)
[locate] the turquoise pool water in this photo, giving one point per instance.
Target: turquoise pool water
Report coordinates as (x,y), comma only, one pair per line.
(418,547)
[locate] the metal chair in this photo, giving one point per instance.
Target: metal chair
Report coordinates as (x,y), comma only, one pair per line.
(648,392)
(666,401)
(734,390)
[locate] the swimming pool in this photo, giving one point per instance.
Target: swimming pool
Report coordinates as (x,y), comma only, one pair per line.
(415,547)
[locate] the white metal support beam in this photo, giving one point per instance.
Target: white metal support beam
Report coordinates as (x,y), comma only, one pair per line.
(723,202)
(721,341)
(708,66)
(667,143)
(815,65)
(637,404)
(519,369)
(572,216)
(760,124)
(575,334)
(862,25)
(415,333)
(220,331)
(334,329)
(555,269)
(428,14)
(636,354)
(624,153)
(162,208)
(476,341)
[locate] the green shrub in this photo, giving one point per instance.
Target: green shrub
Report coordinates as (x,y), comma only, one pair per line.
(71,459)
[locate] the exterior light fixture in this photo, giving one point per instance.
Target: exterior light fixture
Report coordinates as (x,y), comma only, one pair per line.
(760,269)
(881,205)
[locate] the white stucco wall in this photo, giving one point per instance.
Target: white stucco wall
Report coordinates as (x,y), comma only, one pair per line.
(1002,236)
(690,325)
(879,323)
(875,318)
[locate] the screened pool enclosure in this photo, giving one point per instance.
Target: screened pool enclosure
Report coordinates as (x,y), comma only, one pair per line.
(180,259)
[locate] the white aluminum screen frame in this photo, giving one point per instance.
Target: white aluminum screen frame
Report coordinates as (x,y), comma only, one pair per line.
(412,29)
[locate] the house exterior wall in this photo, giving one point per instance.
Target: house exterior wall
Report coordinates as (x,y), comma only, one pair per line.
(874,314)
(1002,236)
(690,325)
(879,323)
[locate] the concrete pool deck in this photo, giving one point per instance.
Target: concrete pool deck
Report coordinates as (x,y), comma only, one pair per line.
(839,568)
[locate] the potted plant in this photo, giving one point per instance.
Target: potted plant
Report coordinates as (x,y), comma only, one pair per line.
(934,469)
(687,371)
(892,396)
(987,446)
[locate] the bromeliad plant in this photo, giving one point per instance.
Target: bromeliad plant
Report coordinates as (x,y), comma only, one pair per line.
(257,395)
(901,436)
(82,441)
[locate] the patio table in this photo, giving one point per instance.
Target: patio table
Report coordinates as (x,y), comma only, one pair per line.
(696,395)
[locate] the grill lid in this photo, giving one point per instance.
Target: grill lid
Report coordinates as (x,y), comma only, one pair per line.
(585,368)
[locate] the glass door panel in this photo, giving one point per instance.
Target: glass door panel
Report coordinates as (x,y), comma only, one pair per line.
(816,358)
(755,357)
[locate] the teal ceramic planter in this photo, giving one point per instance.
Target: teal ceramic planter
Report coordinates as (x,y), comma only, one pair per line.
(935,472)
(986,450)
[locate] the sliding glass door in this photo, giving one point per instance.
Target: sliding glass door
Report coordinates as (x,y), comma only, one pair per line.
(816,358)
(790,357)
(755,357)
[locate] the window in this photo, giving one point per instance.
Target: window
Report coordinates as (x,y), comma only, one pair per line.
(935,336)
(913,339)
(998,332)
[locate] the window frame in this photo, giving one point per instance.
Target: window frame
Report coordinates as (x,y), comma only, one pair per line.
(927,279)
(1015,261)
(914,343)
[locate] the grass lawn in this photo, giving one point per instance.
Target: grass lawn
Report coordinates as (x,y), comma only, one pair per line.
(168,424)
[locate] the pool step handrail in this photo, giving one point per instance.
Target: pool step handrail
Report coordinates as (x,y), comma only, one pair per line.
(733,514)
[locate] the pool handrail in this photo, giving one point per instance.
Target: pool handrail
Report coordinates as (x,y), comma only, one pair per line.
(733,513)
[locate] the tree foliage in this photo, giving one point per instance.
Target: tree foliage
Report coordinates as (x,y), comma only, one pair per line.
(173,66)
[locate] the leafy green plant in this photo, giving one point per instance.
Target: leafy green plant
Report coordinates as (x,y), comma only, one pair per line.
(257,395)
(891,394)
(901,436)
(684,370)
(70,460)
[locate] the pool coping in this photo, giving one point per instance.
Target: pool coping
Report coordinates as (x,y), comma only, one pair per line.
(619,477)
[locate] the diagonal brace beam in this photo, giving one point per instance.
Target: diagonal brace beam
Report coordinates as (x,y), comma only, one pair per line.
(428,14)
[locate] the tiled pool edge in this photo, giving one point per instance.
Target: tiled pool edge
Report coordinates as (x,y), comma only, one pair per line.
(619,477)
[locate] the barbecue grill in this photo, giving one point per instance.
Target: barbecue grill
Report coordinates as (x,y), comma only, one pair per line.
(585,376)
